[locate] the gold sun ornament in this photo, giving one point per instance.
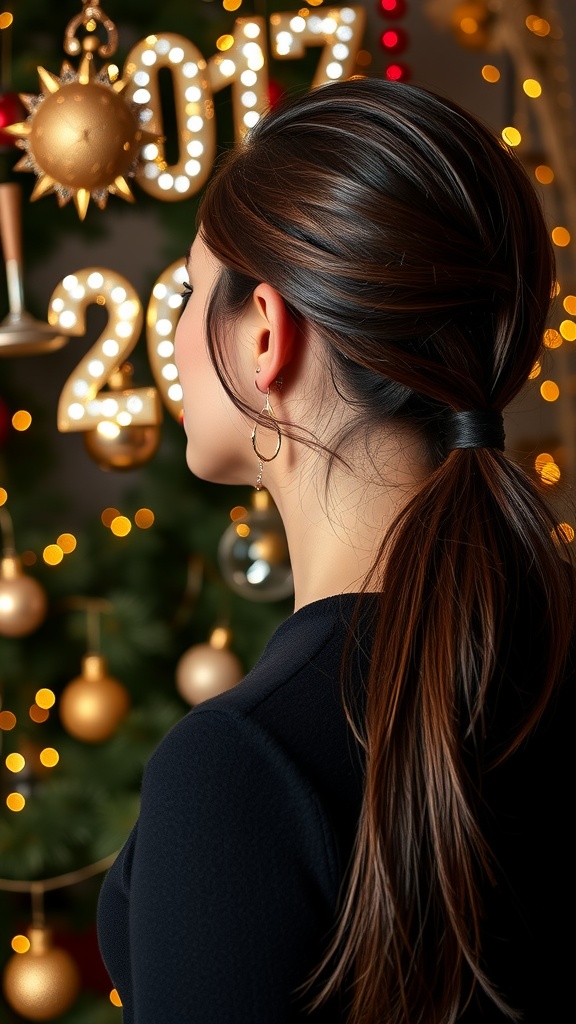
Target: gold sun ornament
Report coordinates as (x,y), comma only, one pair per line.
(82,138)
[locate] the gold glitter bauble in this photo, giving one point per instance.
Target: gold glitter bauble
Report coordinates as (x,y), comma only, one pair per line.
(81,137)
(129,448)
(93,705)
(84,136)
(23,601)
(207,669)
(42,983)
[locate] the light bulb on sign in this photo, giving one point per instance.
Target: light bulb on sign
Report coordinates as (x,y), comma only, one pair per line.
(161,320)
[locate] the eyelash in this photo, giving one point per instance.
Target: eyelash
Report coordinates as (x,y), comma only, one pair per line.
(185,295)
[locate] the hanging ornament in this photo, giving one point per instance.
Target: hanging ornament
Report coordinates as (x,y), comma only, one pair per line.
(208,669)
(121,447)
(253,553)
(93,705)
(42,983)
(23,602)
(82,138)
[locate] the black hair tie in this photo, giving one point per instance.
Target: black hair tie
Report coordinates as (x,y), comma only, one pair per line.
(475,429)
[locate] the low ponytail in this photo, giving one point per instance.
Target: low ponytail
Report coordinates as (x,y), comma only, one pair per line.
(473,549)
(408,238)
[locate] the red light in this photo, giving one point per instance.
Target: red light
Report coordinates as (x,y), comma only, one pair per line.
(393,8)
(397,72)
(395,40)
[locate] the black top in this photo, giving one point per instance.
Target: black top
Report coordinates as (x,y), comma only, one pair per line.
(218,904)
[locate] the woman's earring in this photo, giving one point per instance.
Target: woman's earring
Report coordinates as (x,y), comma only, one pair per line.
(265,416)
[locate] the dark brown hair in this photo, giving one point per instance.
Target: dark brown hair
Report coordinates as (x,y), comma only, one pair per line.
(410,238)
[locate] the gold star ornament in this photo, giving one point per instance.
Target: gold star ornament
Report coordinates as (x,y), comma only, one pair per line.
(82,138)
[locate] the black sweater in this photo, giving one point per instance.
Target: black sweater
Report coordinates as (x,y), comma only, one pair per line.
(218,904)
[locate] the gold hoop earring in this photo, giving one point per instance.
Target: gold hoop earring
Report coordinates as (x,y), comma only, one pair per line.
(265,414)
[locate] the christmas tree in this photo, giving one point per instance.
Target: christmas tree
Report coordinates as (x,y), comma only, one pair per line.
(124,604)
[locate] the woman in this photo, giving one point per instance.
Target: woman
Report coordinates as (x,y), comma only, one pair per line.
(371,827)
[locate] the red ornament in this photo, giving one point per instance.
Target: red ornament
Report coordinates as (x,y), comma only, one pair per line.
(394,40)
(275,92)
(392,8)
(397,73)
(11,111)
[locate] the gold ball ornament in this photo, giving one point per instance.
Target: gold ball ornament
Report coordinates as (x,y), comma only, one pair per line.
(84,136)
(115,447)
(208,669)
(42,983)
(123,447)
(93,705)
(23,602)
(253,553)
(82,139)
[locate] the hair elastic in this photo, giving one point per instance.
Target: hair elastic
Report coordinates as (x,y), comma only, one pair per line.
(476,428)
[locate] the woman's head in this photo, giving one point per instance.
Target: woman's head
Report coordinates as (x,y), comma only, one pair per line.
(402,235)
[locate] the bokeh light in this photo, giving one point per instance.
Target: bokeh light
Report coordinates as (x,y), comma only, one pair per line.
(20,944)
(15,802)
(49,757)
(544,174)
(108,515)
(144,518)
(490,73)
(67,541)
(45,698)
(7,720)
(15,762)
(121,526)
(53,554)
(549,390)
(21,420)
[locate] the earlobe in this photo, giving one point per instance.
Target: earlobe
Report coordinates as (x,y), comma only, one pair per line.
(274,337)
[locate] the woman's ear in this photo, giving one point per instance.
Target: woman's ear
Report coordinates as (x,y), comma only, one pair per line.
(274,335)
